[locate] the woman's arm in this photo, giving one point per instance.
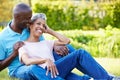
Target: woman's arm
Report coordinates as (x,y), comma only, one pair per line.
(62,40)
(28,61)
(50,64)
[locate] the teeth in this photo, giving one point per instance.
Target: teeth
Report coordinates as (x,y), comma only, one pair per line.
(39,31)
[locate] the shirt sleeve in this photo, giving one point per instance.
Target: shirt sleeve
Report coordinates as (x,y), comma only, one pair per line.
(2,50)
(21,51)
(41,38)
(50,44)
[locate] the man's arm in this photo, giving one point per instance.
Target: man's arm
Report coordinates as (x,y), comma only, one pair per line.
(61,50)
(5,63)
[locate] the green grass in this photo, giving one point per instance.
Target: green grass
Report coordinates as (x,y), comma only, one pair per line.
(112,65)
(4,75)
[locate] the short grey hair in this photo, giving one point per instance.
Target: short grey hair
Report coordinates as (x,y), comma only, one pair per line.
(37,16)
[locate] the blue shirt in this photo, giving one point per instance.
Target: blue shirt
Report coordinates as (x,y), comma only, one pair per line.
(7,40)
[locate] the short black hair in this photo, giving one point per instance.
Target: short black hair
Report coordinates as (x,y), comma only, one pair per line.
(21,7)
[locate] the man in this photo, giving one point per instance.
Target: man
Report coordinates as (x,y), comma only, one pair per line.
(17,31)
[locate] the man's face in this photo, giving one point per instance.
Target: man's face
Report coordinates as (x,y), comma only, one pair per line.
(23,19)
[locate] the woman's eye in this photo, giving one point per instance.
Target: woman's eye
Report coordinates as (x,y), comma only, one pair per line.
(39,23)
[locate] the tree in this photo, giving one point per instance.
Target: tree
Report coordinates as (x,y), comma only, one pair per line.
(6,10)
(6,7)
(26,1)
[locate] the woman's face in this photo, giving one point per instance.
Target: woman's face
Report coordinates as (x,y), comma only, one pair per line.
(37,27)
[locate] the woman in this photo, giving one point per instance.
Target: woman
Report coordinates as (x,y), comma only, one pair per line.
(40,53)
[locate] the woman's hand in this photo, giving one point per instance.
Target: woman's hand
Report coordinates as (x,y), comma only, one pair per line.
(52,68)
(45,29)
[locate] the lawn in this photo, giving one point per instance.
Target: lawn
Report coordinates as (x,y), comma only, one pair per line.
(112,65)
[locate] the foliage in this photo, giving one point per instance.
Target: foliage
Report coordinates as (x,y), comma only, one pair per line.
(116,14)
(5,10)
(69,15)
(101,43)
(106,45)
(107,12)
(6,7)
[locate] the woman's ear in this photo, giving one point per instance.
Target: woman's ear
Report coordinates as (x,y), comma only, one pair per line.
(31,26)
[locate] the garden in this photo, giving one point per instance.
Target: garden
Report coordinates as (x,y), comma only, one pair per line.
(91,25)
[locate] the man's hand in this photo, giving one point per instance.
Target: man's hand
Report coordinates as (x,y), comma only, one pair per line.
(17,46)
(6,62)
(61,50)
(51,67)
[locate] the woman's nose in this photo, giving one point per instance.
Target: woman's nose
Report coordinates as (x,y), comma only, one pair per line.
(41,26)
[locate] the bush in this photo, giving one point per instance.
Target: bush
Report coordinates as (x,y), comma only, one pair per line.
(65,15)
(100,43)
(62,17)
(116,15)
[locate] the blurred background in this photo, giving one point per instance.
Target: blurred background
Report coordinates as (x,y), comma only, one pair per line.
(90,24)
(70,14)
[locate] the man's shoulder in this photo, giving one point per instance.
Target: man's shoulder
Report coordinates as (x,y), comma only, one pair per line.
(3,33)
(26,31)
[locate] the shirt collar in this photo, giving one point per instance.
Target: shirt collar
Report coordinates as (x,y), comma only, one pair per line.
(11,31)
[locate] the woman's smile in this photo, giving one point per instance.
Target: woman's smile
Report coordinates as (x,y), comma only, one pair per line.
(39,31)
